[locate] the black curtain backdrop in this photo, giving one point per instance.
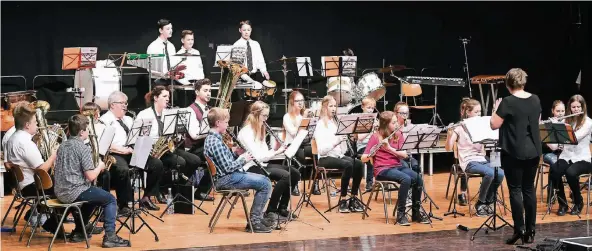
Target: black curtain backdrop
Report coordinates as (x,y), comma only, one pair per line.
(539,37)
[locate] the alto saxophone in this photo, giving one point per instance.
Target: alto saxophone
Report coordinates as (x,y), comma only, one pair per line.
(108,160)
(163,145)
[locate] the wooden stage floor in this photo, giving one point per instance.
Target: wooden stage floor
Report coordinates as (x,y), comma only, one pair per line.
(189,231)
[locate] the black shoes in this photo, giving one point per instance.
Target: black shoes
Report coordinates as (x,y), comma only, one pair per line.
(577,209)
(148,204)
(462,199)
(259,227)
(161,199)
(344,206)
(529,236)
(203,196)
(111,240)
(315,188)
(124,211)
(562,210)
(78,236)
(402,219)
(355,206)
(296,191)
(285,213)
(517,236)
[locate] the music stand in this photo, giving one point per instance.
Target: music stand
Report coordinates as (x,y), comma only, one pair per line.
(79,58)
(421,137)
(177,124)
(142,148)
(556,133)
(339,66)
(304,69)
(348,125)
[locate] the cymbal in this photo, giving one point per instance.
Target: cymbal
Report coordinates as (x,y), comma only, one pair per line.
(392,68)
(187,55)
(291,59)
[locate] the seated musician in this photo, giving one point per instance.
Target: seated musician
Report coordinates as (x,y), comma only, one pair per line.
(120,171)
(186,162)
(230,173)
(331,151)
(198,123)
(252,137)
(22,151)
(402,110)
(388,166)
(74,172)
(368,106)
(471,157)
(574,159)
(291,123)
(553,150)
(104,178)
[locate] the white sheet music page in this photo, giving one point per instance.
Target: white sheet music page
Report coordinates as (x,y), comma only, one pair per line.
(479,129)
(106,139)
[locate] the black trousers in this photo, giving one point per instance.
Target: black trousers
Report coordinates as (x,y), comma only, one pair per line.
(572,172)
(206,182)
(181,160)
(520,176)
(120,171)
(280,196)
(353,168)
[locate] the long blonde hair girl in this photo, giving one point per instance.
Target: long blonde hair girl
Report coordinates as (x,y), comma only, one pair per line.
(253,119)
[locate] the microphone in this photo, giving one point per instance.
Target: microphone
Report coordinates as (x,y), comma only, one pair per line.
(461,227)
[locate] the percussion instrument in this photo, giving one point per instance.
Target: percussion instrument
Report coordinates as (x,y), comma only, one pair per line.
(422,80)
(341,89)
(370,85)
(9,100)
(98,83)
(267,88)
(154,62)
(488,79)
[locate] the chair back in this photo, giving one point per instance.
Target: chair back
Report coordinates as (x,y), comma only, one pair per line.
(315,151)
(411,90)
(212,171)
(16,170)
(42,182)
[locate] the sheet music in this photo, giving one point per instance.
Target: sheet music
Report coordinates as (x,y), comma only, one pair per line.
(106,139)
(222,53)
(330,65)
(348,121)
(428,133)
(140,127)
(141,152)
(479,129)
(174,118)
(301,65)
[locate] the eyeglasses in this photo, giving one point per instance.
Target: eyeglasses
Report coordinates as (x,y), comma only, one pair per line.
(299,101)
(121,103)
(403,113)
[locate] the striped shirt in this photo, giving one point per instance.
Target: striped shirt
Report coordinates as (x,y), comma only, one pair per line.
(73,159)
(224,159)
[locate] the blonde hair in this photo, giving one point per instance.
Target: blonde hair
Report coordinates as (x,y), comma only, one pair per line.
(292,102)
(516,79)
(324,115)
(217,114)
(555,104)
(383,122)
(577,121)
(368,101)
(467,105)
(398,105)
(253,119)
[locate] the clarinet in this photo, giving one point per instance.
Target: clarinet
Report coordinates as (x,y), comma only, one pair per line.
(281,142)
(241,146)
(349,146)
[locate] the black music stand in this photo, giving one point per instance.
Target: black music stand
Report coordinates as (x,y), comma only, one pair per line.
(339,67)
(348,125)
(422,137)
(556,133)
(140,140)
(180,120)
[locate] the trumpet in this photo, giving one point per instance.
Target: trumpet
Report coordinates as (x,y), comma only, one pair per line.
(229,133)
(559,118)
(268,128)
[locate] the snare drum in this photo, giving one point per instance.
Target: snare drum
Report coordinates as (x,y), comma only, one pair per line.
(267,88)
(341,89)
(98,83)
(371,86)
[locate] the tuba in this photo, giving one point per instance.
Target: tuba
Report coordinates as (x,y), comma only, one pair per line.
(231,72)
(94,142)
(48,138)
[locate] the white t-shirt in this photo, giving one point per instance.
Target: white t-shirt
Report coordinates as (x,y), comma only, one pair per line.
(22,151)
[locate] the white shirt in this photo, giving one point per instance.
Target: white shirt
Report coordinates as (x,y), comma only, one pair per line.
(7,135)
(291,127)
(195,126)
(120,135)
(22,151)
(194,65)
(325,137)
(148,114)
(581,151)
(157,47)
(256,52)
(259,149)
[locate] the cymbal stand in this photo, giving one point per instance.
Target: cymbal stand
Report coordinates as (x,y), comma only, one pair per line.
(285,71)
(465,41)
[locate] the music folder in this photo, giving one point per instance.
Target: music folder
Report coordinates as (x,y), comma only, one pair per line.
(106,139)
(300,136)
(479,130)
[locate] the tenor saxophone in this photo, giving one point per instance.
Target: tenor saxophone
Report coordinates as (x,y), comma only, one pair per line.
(108,160)
(163,145)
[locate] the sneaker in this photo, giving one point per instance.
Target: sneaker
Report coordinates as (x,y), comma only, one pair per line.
(481,209)
(344,206)
(95,230)
(423,219)
(315,189)
(402,219)
(77,236)
(355,206)
(369,187)
(462,199)
(111,240)
(274,216)
(270,219)
(296,191)
(490,208)
(124,211)
(286,213)
(259,227)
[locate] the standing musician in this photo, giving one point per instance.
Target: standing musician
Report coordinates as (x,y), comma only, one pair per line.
(368,106)
(187,162)
(162,46)
(230,173)
(574,159)
(254,60)
(74,172)
(198,110)
(388,165)
(252,137)
(472,160)
(332,149)
(104,178)
(120,170)
(22,151)
(194,70)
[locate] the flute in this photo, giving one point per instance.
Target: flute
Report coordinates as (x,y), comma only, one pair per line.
(229,132)
(374,150)
(559,118)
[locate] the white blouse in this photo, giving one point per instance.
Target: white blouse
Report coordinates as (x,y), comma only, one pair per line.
(291,127)
(325,137)
(581,151)
(259,149)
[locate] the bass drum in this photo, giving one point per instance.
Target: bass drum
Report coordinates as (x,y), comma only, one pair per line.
(98,84)
(371,86)
(341,89)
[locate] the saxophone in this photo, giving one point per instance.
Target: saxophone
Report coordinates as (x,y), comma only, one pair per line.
(163,145)
(47,138)
(94,144)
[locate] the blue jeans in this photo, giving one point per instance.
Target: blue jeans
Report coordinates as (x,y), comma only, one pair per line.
(94,197)
(405,177)
(550,158)
(488,185)
(241,180)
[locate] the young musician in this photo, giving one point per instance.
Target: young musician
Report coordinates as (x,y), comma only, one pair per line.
(74,172)
(553,150)
(104,178)
(574,159)
(120,171)
(291,123)
(162,46)
(331,151)
(194,70)
(472,160)
(186,162)
(402,110)
(252,137)
(254,60)
(388,165)
(230,173)
(22,151)
(368,106)
(198,123)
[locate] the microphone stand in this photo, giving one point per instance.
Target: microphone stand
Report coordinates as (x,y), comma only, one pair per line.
(465,41)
